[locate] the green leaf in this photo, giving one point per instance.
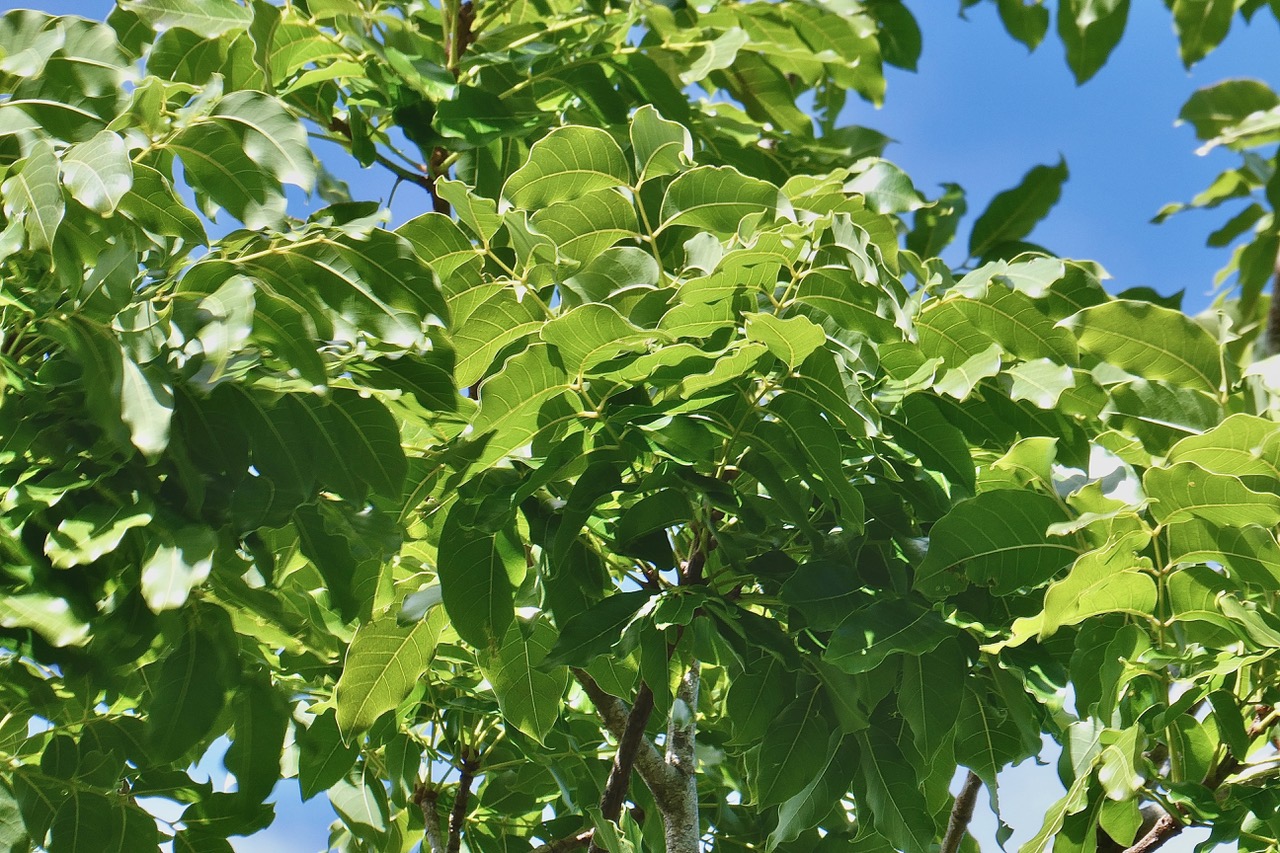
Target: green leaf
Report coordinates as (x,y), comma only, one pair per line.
(659,147)
(1090,30)
(594,631)
(361,801)
(791,340)
(931,695)
(48,615)
(889,626)
(383,663)
(324,756)
(98,172)
(784,765)
(262,717)
(209,18)
(187,696)
(825,592)
(566,164)
(92,823)
(269,136)
(217,165)
(886,188)
(583,228)
(1076,800)
(440,243)
(1241,446)
(529,696)
(1040,382)
(590,334)
(1107,580)
(152,203)
(511,400)
(92,533)
(893,793)
(180,560)
(806,809)
(998,539)
(1186,490)
(1201,26)
(475,581)
(32,195)
(717,198)
(1249,553)
(488,319)
(1025,20)
(1013,213)
(1214,109)
(925,431)
(1151,342)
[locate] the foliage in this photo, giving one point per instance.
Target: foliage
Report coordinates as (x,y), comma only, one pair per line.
(666,427)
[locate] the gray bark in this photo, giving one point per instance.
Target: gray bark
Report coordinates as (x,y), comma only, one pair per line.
(683,832)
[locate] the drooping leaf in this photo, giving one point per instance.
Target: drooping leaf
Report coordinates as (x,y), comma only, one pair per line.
(384,661)
(1090,30)
(784,765)
(529,696)
(1013,213)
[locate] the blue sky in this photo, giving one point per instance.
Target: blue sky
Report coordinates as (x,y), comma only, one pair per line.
(980,112)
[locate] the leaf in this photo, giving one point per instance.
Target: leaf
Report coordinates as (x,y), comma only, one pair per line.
(784,765)
(180,560)
(1241,446)
(889,626)
(791,340)
(825,592)
(1214,109)
(262,717)
(566,164)
(152,203)
(1184,490)
(1025,20)
(48,615)
(369,440)
(1151,342)
(1107,580)
(893,794)
(886,188)
(32,194)
(323,756)
(594,631)
(384,661)
(187,696)
(91,823)
(998,539)
(659,147)
(1090,30)
(1201,26)
(529,696)
(1076,800)
(1040,382)
(440,243)
(717,198)
(926,432)
(583,228)
(98,172)
(931,695)
(217,165)
(269,136)
(511,400)
(209,18)
(92,533)
(474,570)
(806,809)
(1249,553)
(361,802)
(590,334)
(1013,213)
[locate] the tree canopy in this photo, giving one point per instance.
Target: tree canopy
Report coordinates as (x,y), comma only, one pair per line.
(659,488)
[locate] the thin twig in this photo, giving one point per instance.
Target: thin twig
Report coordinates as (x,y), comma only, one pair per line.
(562,845)
(624,761)
(961,813)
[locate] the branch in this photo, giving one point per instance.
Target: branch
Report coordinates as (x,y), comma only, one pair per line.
(681,824)
(624,761)
(458,816)
(1166,827)
(661,779)
(961,813)
(562,845)
(426,798)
